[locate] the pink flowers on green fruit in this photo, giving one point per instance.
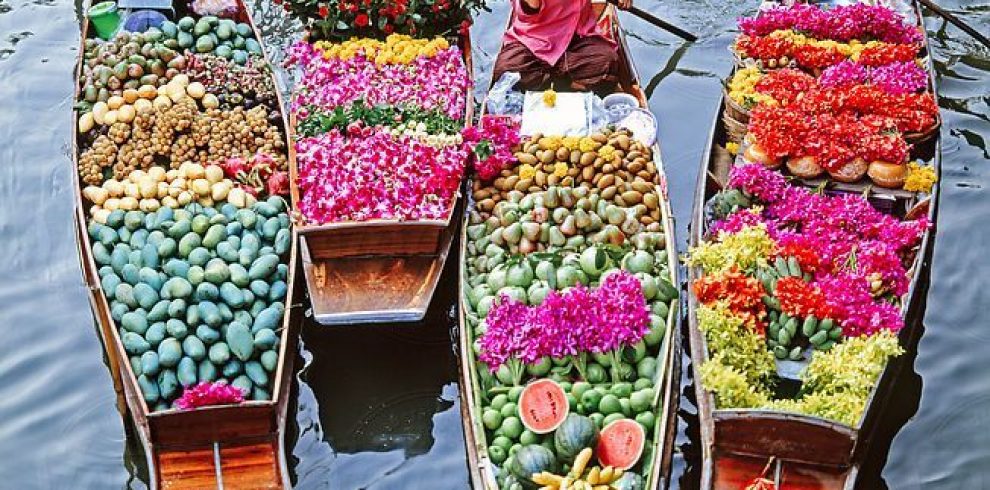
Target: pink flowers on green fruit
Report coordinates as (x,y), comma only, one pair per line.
(206,394)
(566,324)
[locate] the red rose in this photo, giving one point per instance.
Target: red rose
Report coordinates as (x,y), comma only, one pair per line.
(389,28)
(361,20)
(324,11)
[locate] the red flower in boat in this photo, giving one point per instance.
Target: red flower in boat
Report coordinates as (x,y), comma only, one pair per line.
(324,11)
(801,299)
(362,20)
(743,294)
(278,183)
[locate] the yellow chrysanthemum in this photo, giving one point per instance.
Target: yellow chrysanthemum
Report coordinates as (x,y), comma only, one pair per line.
(560,169)
(571,142)
(607,152)
(551,143)
(732,147)
(396,49)
(920,178)
(526,171)
(587,144)
(550,98)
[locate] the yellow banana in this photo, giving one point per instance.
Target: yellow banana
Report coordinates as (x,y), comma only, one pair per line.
(581,461)
(616,474)
(593,476)
(606,475)
(602,487)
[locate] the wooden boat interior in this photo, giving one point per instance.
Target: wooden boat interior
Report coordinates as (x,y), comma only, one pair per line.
(228,446)
(379,271)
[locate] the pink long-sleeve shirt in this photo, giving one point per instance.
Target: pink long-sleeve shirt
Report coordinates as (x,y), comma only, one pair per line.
(548,32)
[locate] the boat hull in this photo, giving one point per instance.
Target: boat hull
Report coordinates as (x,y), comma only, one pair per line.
(238,446)
(793,450)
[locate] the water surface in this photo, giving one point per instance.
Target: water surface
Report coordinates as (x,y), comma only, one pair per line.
(377,407)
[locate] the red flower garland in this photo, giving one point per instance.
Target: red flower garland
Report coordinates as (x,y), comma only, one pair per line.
(743,294)
(786,85)
(801,299)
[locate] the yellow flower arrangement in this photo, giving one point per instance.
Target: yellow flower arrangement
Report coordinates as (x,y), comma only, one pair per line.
(551,143)
(560,169)
(607,153)
(526,171)
(852,49)
(920,178)
(742,88)
(571,142)
(550,97)
(587,144)
(396,49)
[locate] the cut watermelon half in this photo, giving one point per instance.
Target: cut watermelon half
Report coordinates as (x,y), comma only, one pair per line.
(620,444)
(543,406)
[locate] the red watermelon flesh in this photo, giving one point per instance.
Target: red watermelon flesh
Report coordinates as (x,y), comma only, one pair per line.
(620,444)
(543,406)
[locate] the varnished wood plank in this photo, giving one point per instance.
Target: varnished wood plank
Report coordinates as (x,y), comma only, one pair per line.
(192,469)
(250,466)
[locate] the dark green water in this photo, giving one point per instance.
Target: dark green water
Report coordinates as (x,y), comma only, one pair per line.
(377,406)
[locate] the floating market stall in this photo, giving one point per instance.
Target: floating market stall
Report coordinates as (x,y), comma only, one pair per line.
(185,238)
(377,122)
(811,241)
(569,339)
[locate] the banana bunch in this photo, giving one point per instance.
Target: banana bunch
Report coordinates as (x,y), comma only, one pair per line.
(596,478)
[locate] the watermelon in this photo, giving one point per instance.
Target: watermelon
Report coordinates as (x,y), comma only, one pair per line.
(620,444)
(543,406)
(576,433)
(532,459)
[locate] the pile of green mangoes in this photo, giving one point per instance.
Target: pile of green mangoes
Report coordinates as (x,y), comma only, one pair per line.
(222,37)
(197,293)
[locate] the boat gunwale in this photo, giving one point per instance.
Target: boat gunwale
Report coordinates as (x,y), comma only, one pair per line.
(668,373)
(858,435)
(125,380)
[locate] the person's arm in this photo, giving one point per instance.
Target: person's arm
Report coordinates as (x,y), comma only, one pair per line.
(625,4)
(531,7)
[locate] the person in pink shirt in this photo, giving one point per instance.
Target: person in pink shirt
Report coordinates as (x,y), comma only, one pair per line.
(549,40)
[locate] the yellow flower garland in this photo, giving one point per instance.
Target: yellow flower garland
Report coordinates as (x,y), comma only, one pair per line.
(396,49)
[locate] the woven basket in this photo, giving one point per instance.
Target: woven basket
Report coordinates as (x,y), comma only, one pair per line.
(734,110)
(924,136)
(734,130)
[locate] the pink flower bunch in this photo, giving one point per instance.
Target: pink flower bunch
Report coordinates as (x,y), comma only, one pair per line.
(374,175)
(565,324)
(848,295)
(843,23)
(439,82)
(857,243)
(900,78)
(895,78)
(492,141)
(206,394)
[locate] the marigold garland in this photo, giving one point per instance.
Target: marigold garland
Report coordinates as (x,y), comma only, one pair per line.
(742,295)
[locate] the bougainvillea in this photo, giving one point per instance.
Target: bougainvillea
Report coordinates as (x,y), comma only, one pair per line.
(206,394)
(842,23)
(576,321)
(492,141)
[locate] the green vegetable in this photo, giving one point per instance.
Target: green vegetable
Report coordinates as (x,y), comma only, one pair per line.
(149,389)
(169,352)
(168,384)
(256,373)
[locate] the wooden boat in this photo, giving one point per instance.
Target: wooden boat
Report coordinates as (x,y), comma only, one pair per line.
(377,271)
(792,450)
(481,467)
(222,446)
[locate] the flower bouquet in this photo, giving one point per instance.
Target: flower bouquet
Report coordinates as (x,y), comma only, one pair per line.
(344,19)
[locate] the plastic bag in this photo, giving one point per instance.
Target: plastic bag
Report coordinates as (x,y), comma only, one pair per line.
(502,100)
(219,8)
(599,116)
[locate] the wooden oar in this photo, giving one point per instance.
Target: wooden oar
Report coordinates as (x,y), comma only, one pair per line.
(652,19)
(957,21)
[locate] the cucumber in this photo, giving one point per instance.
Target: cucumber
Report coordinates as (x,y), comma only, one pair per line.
(194,348)
(156,334)
(794,267)
(227,252)
(146,296)
(206,292)
(232,295)
(134,343)
(168,384)
(186,372)
(781,267)
(244,383)
(256,373)
(177,308)
(188,242)
(210,313)
(795,354)
(810,326)
(149,363)
(207,335)
(265,339)
(149,389)
(269,318)
(784,337)
(219,353)
(263,266)
(278,291)
(791,327)
(169,353)
(206,371)
(131,274)
(240,341)
(283,240)
(234,367)
(269,360)
(135,322)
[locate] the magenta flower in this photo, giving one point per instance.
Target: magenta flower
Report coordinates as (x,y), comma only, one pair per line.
(206,394)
